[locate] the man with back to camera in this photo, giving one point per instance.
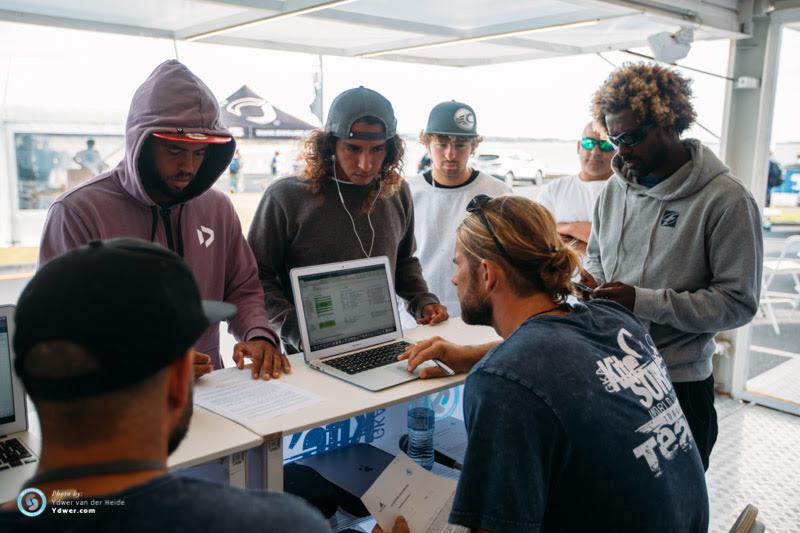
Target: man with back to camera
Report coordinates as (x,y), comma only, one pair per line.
(676,239)
(571,199)
(176,148)
(349,202)
(572,421)
(110,373)
(442,193)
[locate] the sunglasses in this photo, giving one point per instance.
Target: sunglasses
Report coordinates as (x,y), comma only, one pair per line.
(588,143)
(478,205)
(632,137)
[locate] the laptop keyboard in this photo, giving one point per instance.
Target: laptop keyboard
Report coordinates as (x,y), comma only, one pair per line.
(13,453)
(369,359)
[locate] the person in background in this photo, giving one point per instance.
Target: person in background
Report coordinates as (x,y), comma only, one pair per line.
(90,159)
(442,193)
(572,421)
(349,202)
(571,199)
(274,164)
(676,239)
(110,373)
(235,171)
(162,192)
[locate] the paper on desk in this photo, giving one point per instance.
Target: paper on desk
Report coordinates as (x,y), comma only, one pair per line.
(234,394)
(406,489)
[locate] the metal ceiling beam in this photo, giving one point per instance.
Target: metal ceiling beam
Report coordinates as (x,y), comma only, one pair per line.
(688,12)
(82,24)
(483,31)
(275,45)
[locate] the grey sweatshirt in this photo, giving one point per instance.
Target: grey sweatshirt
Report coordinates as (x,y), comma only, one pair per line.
(294,227)
(692,248)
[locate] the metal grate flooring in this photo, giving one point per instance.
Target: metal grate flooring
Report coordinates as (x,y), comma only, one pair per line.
(756,461)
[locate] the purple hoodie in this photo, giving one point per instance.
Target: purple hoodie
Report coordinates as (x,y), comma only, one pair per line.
(204,229)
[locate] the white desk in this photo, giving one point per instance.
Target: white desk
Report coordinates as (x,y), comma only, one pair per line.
(210,437)
(343,400)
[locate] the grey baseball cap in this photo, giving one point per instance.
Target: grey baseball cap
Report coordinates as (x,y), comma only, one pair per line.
(452,118)
(354,104)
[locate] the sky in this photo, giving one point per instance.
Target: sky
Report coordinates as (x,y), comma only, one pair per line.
(72,74)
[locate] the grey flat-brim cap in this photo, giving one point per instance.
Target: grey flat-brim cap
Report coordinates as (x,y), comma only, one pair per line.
(355,104)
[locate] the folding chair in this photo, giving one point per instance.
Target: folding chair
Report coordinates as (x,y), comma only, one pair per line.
(787,264)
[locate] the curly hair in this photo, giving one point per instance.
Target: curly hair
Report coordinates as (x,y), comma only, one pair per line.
(527,231)
(318,148)
(655,94)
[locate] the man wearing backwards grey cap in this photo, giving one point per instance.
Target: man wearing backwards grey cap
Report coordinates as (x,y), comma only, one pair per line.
(441,194)
(110,373)
(176,148)
(350,202)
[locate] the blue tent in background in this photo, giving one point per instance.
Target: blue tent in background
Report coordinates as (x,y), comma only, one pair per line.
(249,116)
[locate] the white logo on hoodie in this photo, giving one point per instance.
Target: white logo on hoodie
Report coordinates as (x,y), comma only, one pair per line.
(201,236)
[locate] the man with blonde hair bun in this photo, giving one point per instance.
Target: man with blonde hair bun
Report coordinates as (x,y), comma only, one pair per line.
(572,421)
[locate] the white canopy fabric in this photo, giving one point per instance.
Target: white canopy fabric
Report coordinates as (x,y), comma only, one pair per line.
(440,32)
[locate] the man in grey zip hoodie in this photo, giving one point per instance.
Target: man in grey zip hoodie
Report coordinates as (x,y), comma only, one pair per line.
(675,237)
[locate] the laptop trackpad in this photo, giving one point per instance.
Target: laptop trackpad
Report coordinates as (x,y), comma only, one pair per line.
(401,368)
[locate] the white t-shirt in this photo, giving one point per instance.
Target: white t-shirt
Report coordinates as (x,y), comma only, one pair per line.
(437,213)
(571,199)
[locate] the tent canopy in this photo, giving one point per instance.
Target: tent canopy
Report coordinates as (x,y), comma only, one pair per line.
(440,32)
(249,116)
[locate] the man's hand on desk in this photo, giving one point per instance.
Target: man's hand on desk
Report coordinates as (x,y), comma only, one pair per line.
(400,526)
(202,364)
(268,361)
(459,358)
(433,314)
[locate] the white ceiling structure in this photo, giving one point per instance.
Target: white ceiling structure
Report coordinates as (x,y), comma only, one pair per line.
(441,32)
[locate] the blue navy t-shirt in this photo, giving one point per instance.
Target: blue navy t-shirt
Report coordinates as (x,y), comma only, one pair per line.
(574,425)
(174,503)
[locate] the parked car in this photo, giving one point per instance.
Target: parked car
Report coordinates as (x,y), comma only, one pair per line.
(510,166)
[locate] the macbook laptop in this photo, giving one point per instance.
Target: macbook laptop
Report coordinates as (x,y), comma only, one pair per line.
(17,462)
(349,324)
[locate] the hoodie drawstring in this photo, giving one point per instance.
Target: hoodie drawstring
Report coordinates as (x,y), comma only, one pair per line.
(165,216)
(619,237)
(180,231)
(650,238)
(154,212)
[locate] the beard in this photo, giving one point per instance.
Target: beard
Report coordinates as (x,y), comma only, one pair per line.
(179,432)
(475,309)
(151,180)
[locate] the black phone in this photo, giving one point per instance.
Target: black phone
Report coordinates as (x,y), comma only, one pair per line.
(586,292)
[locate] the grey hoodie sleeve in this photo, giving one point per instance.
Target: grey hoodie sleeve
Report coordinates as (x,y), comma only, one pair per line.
(735,252)
(592,263)
(268,237)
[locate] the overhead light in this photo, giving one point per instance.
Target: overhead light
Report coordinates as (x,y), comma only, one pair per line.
(670,47)
(269,18)
(490,37)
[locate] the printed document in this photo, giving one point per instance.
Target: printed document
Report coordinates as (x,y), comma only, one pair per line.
(406,489)
(234,394)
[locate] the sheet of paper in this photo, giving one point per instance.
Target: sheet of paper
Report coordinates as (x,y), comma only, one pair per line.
(234,394)
(406,489)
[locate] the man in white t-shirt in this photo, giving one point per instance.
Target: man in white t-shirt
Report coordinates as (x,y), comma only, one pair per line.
(442,193)
(571,199)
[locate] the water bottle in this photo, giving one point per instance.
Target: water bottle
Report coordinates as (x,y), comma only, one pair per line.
(420,432)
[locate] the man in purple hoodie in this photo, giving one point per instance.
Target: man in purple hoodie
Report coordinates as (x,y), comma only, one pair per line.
(176,148)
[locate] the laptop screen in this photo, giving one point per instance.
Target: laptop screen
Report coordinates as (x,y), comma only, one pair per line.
(6,389)
(347,305)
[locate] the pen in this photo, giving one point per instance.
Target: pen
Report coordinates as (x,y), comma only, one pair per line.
(446,369)
(585,290)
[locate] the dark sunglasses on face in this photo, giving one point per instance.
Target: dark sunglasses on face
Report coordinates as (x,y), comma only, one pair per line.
(632,137)
(477,205)
(588,143)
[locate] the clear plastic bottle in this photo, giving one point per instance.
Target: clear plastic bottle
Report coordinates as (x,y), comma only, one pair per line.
(420,432)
